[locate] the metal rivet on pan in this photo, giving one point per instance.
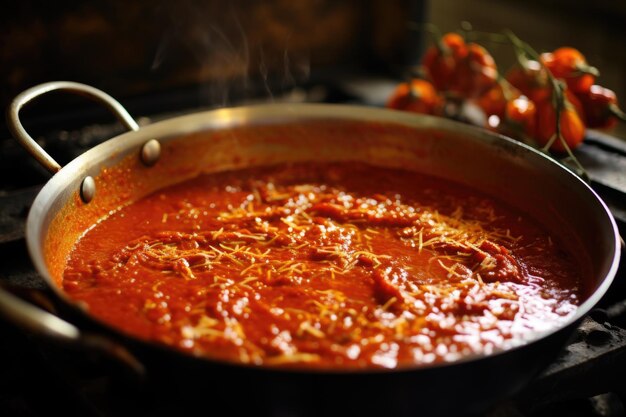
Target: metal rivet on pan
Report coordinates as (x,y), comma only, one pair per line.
(150,152)
(87,189)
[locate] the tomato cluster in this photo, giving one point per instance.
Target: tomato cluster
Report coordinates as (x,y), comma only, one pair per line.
(524,103)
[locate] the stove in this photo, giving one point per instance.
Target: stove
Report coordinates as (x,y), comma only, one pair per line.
(38,378)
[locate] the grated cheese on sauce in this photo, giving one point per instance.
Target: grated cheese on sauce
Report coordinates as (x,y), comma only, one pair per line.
(324,265)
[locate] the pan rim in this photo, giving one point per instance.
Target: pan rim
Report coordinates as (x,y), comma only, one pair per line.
(169,129)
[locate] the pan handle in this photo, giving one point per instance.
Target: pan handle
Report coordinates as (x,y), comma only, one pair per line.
(42,323)
(18,131)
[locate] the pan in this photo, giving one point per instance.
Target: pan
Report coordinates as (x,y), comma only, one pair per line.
(146,159)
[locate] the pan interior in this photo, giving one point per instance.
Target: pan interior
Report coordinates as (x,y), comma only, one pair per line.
(512,173)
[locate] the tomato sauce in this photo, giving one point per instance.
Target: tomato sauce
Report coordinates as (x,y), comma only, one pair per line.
(328,265)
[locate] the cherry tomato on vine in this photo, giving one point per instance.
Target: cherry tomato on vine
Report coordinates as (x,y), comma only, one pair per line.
(601,107)
(575,102)
(493,102)
(476,73)
(520,112)
(570,65)
(418,96)
(571,126)
(531,80)
(441,59)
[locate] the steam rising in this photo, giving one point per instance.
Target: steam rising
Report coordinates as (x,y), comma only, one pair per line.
(229,50)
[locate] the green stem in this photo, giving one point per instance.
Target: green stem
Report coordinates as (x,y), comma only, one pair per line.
(617,112)
(476,35)
(507,88)
(586,69)
(525,51)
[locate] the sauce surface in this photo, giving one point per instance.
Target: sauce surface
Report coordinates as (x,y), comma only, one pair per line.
(340,265)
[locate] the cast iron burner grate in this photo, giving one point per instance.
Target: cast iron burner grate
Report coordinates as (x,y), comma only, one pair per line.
(37,378)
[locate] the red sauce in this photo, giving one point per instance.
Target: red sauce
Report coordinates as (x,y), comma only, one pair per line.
(324,265)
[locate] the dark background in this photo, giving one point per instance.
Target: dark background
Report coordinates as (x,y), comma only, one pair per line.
(223,52)
(217,52)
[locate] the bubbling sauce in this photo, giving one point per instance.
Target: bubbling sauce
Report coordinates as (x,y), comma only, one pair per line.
(324,265)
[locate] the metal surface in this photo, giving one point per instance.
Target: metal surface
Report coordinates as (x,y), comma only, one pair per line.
(87,189)
(150,152)
(592,364)
(36,319)
(498,166)
(18,131)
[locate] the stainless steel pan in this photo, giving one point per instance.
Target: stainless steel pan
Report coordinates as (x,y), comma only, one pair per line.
(148,158)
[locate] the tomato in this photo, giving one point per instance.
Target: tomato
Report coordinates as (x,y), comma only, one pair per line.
(575,102)
(476,73)
(440,60)
(531,80)
(571,125)
(599,104)
(418,96)
(520,112)
(494,101)
(570,65)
